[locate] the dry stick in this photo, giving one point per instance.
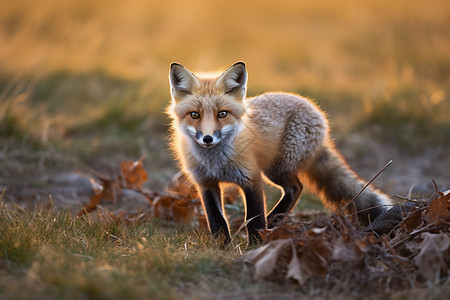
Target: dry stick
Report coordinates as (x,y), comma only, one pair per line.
(413,234)
(367,184)
(406,199)
(410,190)
(436,187)
(369,208)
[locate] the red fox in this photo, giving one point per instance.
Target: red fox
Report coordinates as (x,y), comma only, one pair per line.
(220,136)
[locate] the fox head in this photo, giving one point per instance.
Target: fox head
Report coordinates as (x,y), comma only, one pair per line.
(208,109)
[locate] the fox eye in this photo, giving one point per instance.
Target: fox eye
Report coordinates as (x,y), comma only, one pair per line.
(222,114)
(195,115)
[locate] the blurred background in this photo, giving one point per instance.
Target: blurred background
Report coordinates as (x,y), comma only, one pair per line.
(83,83)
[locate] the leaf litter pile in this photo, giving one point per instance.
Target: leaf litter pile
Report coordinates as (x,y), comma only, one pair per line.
(406,247)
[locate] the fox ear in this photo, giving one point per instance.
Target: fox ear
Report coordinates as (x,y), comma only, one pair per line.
(234,80)
(182,81)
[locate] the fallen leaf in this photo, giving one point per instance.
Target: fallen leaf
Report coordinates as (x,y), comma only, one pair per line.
(413,218)
(162,207)
(92,205)
(264,258)
(106,189)
(110,189)
(177,210)
(438,210)
(309,258)
(315,231)
(133,173)
(295,270)
(316,255)
(180,186)
(351,250)
(277,233)
(430,259)
(183,211)
(97,187)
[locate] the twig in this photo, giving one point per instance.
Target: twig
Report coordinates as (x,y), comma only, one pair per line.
(412,234)
(407,199)
(400,258)
(411,190)
(369,208)
(367,184)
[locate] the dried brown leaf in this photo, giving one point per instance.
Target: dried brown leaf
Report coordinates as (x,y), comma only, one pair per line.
(350,250)
(430,259)
(316,254)
(180,186)
(133,173)
(277,233)
(296,270)
(111,187)
(162,207)
(337,248)
(413,219)
(92,205)
(97,187)
(315,231)
(106,189)
(183,211)
(178,210)
(264,258)
(438,210)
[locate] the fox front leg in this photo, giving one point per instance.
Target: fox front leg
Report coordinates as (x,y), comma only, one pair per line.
(212,204)
(255,212)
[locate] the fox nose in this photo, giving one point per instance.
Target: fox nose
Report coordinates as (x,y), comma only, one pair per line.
(207,139)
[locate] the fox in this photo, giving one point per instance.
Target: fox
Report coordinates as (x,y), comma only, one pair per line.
(220,137)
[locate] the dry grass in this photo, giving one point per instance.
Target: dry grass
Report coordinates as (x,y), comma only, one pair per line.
(83,85)
(373,47)
(49,254)
(351,57)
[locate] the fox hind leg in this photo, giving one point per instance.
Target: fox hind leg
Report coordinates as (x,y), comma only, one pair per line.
(292,190)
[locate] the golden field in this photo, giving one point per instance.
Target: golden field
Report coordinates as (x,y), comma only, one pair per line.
(90,74)
(83,86)
(372,47)
(83,78)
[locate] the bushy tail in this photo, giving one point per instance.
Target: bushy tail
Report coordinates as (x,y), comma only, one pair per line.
(338,185)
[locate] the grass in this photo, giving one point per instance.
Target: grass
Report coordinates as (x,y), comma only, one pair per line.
(52,254)
(83,86)
(49,253)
